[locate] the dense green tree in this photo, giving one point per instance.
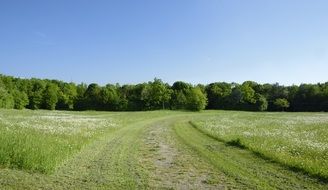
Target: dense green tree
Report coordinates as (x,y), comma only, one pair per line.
(156,94)
(20,99)
(8,83)
(202,88)
(261,103)
(248,93)
(50,97)
(181,86)
(179,100)
(130,98)
(80,103)
(281,103)
(92,97)
(53,94)
(324,97)
(35,94)
(292,92)
(307,98)
(67,96)
(196,99)
(235,98)
(218,95)
(6,99)
(110,98)
(178,95)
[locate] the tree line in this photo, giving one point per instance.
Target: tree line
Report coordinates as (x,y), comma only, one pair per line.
(54,94)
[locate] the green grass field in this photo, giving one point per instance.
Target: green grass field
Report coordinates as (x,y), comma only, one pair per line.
(296,140)
(163,150)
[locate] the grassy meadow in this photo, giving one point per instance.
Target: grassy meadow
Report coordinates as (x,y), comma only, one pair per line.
(40,140)
(297,140)
(163,149)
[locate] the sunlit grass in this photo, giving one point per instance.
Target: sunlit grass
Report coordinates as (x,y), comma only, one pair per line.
(297,140)
(40,140)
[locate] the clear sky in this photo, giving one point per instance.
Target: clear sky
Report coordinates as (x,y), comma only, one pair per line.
(197,41)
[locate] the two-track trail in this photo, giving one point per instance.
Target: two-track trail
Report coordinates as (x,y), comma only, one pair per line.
(161,153)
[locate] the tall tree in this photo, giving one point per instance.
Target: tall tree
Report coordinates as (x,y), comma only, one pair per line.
(35,94)
(217,94)
(261,103)
(80,100)
(50,97)
(20,99)
(196,99)
(110,98)
(178,95)
(67,96)
(93,97)
(156,94)
(6,99)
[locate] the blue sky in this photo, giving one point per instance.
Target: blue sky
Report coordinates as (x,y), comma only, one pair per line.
(198,41)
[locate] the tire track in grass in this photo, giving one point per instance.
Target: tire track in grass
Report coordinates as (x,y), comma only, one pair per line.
(111,162)
(172,166)
(253,172)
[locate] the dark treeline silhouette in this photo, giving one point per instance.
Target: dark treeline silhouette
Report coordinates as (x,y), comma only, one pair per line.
(54,94)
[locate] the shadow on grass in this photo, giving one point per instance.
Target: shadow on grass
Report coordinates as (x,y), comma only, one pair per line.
(235,143)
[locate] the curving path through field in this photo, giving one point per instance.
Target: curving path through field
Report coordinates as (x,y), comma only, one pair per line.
(161,153)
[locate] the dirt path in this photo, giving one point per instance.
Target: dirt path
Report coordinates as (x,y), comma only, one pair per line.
(173,167)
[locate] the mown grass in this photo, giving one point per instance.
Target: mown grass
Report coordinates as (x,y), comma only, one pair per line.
(39,141)
(247,170)
(297,141)
(107,150)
